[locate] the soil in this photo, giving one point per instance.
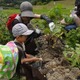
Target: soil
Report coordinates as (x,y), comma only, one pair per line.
(55,67)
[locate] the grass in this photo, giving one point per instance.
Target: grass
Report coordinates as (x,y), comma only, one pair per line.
(43,9)
(69,4)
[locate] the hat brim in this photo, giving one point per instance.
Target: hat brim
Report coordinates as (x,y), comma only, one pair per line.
(27,14)
(29,32)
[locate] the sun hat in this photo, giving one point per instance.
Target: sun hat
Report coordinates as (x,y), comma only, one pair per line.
(26,9)
(21,29)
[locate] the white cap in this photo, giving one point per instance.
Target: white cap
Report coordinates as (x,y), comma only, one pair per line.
(21,29)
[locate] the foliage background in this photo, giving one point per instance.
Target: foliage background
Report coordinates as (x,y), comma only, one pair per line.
(56,11)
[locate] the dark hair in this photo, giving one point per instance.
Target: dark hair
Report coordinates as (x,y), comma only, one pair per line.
(78,9)
(76,2)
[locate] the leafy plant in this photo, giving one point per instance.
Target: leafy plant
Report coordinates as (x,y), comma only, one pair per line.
(72,37)
(73,55)
(56,12)
(5,36)
(72,47)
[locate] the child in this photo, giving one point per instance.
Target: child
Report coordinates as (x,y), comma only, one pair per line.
(21,32)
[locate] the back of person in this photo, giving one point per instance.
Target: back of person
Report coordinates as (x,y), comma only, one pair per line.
(8,60)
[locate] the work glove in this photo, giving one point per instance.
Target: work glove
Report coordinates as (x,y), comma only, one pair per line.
(38,31)
(51,26)
(49,21)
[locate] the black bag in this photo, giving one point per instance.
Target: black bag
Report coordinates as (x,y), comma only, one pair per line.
(21,55)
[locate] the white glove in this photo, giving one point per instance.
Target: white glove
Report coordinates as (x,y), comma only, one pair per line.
(38,31)
(51,26)
(73,15)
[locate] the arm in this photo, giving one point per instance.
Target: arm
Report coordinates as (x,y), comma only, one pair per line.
(44,17)
(47,19)
(63,22)
(33,59)
(29,56)
(37,16)
(32,36)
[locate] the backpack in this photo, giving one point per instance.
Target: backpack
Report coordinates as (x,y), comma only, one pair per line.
(21,55)
(10,20)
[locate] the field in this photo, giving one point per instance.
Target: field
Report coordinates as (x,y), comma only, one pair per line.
(60,49)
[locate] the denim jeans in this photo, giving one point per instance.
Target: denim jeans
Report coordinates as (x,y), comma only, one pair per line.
(70,27)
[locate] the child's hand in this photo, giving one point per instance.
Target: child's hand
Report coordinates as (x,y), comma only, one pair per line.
(40,59)
(37,59)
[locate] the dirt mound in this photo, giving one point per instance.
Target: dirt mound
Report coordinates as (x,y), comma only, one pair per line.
(55,67)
